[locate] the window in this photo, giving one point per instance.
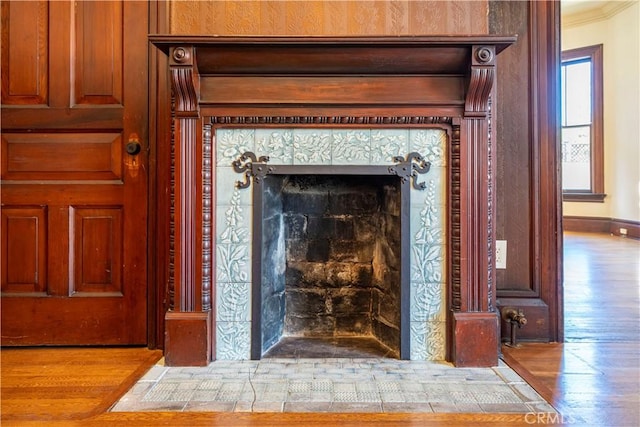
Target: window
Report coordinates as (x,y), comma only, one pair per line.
(582,140)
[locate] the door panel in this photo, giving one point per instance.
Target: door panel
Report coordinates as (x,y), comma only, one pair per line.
(72,156)
(24,52)
(97,258)
(97,46)
(74,204)
(24,268)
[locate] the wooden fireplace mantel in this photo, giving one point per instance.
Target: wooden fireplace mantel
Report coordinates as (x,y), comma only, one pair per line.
(332,81)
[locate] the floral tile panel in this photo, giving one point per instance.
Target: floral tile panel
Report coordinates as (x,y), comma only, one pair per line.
(330,147)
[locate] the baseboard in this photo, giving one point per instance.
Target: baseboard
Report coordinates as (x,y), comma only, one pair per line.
(586,224)
(613,226)
(632,227)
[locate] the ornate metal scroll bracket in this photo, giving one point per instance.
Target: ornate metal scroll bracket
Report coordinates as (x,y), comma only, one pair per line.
(413,165)
(251,166)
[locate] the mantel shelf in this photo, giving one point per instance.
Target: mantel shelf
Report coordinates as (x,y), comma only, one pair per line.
(332,55)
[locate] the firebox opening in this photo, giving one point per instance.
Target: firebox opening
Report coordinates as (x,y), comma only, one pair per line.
(331,265)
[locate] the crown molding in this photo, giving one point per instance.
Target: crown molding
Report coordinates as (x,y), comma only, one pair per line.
(600,11)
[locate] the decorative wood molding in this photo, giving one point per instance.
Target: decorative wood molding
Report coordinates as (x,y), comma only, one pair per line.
(481,81)
(171,261)
(185,81)
(208,229)
(476,225)
(455,243)
(184,256)
(326,120)
(186,188)
(491,203)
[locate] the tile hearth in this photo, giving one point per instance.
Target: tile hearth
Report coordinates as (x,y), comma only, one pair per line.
(332,385)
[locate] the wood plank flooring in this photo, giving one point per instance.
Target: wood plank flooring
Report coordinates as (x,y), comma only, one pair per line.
(592,378)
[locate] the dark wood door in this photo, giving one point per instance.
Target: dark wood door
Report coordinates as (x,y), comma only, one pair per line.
(74,200)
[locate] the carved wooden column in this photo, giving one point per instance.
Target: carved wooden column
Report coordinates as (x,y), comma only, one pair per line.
(475,329)
(188,318)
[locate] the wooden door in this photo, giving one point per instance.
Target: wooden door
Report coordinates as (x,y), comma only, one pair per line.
(74,200)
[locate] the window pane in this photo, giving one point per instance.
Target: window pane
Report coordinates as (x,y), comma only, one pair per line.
(578,94)
(563,94)
(576,158)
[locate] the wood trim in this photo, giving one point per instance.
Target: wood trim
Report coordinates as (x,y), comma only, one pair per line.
(148,360)
(597,119)
(159,141)
(588,224)
(633,228)
(583,197)
(546,238)
(510,357)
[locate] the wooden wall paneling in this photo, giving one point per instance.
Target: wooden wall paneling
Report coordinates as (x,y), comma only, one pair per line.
(328,17)
(24,241)
(527,143)
(25,76)
(512,129)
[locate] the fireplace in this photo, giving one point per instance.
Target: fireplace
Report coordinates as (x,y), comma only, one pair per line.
(330,260)
(402,120)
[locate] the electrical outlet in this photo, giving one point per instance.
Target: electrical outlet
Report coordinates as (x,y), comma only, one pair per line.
(501,254)
(623,231)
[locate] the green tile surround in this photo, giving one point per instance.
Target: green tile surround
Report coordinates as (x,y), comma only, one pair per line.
(335,147)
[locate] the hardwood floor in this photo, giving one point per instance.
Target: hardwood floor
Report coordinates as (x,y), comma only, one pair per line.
(592,378)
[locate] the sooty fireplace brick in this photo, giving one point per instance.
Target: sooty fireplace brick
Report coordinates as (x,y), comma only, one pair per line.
(331,264)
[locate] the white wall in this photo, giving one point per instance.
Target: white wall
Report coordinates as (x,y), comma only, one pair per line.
(620,38)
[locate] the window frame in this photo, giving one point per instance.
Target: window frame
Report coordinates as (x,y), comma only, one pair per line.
(594,55)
